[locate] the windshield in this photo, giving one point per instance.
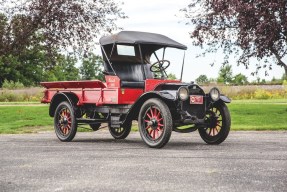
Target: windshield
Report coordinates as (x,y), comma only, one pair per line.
(174,56)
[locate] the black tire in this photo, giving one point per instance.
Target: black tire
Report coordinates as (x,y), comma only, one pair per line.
(155,123)
(121,132)
(95,126)
(65,122)
(218,118)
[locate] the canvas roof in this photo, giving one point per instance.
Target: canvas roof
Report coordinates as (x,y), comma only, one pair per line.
(135,37)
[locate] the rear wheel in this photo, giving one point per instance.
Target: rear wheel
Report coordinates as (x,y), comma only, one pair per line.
(121,132)
(155,123)
(65,122)
(218,120)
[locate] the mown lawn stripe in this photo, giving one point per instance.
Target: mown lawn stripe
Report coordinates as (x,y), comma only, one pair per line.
(256,115)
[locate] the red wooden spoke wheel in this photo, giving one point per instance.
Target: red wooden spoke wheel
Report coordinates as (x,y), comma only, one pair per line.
(65,122)
(155,123)
(218,123)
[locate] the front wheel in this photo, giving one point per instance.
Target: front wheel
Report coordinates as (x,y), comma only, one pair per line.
(155,123)
(218,123)
(65,122)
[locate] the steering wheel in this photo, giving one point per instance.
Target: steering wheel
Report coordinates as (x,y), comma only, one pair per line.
(159,66)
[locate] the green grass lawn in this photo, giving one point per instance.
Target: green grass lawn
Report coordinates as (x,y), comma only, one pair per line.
(245,115)
(24,119)
(259,115)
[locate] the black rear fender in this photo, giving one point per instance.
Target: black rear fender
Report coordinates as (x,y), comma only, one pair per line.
(59,98)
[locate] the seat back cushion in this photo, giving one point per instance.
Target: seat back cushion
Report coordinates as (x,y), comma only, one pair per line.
(132,72)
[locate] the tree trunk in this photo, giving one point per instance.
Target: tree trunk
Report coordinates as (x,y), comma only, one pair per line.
(280,62)
(285,67)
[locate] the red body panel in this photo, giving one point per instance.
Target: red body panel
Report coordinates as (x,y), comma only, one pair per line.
(99,93)
(113,81)
(151,84)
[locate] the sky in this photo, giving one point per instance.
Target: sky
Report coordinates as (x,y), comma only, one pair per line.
(164,17)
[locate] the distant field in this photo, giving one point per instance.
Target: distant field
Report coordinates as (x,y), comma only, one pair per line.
(245,114)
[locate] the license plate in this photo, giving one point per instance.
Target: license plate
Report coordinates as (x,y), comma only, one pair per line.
(196,99)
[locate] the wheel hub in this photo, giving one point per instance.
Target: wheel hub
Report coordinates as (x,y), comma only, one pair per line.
(153,124)
(213,121)
(65,121)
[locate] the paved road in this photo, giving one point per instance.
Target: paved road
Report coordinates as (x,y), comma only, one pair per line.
(247,161)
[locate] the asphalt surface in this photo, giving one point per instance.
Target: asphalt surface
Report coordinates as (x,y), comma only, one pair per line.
(246,161)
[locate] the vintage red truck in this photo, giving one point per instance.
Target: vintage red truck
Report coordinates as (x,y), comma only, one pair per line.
(134,89)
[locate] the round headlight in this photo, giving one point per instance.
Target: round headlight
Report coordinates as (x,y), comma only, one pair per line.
(214,94)
(183,93)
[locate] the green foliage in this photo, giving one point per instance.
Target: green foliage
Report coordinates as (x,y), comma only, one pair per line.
(275,81)
(284,84)
(202,79)
(240,79)
(171,76)
(92,67)
(212,80)
(12,85)
(24,95)
(66,25)
(242,30)
(8,97)
(225,74)
(27,67)
(262,94)
(64,70)
(33,35)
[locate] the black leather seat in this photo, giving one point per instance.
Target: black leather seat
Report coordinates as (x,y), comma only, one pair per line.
(131,75)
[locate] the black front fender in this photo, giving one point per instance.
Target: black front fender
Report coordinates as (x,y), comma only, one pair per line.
(225,99)
(166,96)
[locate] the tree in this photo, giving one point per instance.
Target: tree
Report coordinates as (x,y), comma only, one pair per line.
(171,76)
(92,67)
(249,28)
(202,79)
(240,79)
(26,67)
(225,74)
(64,70)
(34,33)
(63,23)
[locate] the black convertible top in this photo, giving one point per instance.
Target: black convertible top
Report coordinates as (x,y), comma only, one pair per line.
(134,37)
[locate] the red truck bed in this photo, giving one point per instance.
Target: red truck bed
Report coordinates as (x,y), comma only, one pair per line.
(74,84)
